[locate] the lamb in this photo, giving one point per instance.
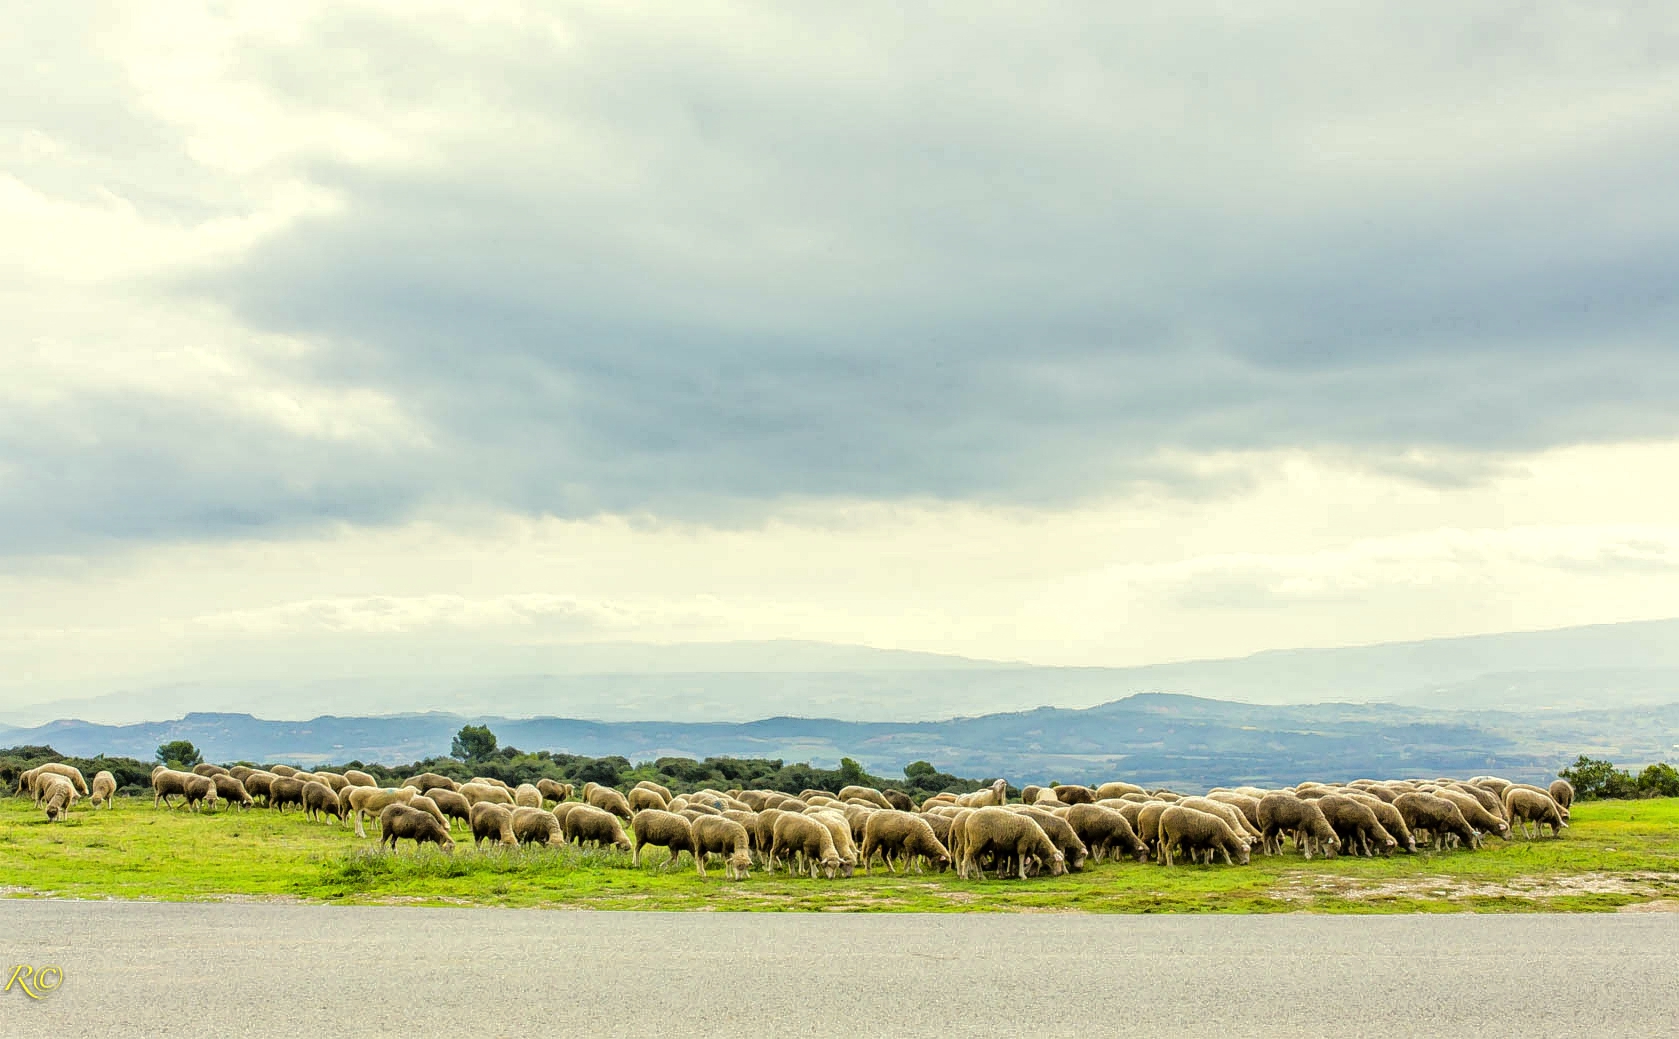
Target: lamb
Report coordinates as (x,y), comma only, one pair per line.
(1009,836)
(586,823)
(1194,830)
(995,794)
(1356,825)
(204,768)
(493,821)
(451,804)
(554,790)
(641,799)
(58,794)
(807,838)
(526,795)
(726,838)
(1280,812)
(667,830)
(535,826)
(318,800)
(1440,817)
(227,789)
(399,821)
(425,782)
(104,789)
(898,833)
(362,801)
(486,792)
(869,794)
(608,800)
(1527,806)
(1104,830)
(1073,851)
(1562,792)
(1475,813)
(287,790)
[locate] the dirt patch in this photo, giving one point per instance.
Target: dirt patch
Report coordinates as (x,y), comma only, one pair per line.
(1451,889)
(1660,905)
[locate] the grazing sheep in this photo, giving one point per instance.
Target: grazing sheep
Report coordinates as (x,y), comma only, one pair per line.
(318,800)
(1356,825)
(288,790)
(487,793)
(894,833)
(526,795)
(1066,841)
(228,789)
(840,828)
(239,772)
(535,826)
(554,790)
(281,770)
(1229,813)
(899,800)
(956,836)
(1495,785)
(1044,797)
(1562,792)
(1284,812)
(1148,823)
(425,782)
(257,783)
(667,830)
(1074,794)
(1117,789)
(806,837)
(995,794)
(332,779)
(608,800)
(1244,803)
(726,838)
(57,795)
(204,768)
(941,829)
(938,799)
(658,788)
(70,772)
(866,793)
(1389,817)
(403,822)
(104,789)
(1195,831)
(364,801)
(1104,830)
(425,804)
(167,783)
(1440,817)
(1531,806)
(451,804)
(1009,837)
(1029,794)
(492,821)
(763,835)
(641,799)
(1475,813)
(492,781)
(587,824)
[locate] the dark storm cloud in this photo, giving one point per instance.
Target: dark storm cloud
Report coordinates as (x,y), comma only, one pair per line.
(694,267)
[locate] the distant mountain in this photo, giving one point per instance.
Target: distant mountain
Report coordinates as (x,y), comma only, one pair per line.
(1570,668)
(1184,741)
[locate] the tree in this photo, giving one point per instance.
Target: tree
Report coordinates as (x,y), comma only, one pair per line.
(473,743)
(179,754)
(852,772)
(1593,779)
(1659,780)
(917,769)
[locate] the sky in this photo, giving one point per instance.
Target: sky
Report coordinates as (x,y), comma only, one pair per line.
(1082,335)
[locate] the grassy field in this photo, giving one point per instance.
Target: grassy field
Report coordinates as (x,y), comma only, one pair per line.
(1617,854)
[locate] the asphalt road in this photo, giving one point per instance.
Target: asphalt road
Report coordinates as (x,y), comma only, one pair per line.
(212,970)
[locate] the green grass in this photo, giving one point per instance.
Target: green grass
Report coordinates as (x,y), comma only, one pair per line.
(1617,853)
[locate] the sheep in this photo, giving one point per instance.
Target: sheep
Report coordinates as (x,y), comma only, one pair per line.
(1244,803)
(1440,817)
(641,799)
(586,823)
(1009,836)
(257,783)
(491,820)
(70,772)
(899,800)
(425,782)
(399,821)
(281,770)
(451,804)
(858,816)
(1029,793)
(526,795)
(563,809)
(1356,824)
(535,826)
(1475,813)
(487,793)
(808,838)
(492,781)
(364,801)
(288,790)
(726,838)
(332,779)
(899,833)
(1043,797)
(1074,794)
(1194,830)
(683,804)
(808,793)
(58,794)
(167,783)
(1229,813)
(844,847)
(1103,830)
(1486,799)
(1562,792)
(956,836)
(239,772)
(942,798)
(104,789)
(204,768)
(1148,822)
(608,800)
(554,790)
(667,830)
(869,794)
(228,789)
(1279,812)
(1117,789)
(658,788)
(940,825)
(318,800)
(763,835)
(1066,841)
(995,794)
(1527,806)
(1495,785)
(1389,817)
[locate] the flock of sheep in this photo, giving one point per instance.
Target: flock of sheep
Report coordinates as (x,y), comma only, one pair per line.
(1053,829)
